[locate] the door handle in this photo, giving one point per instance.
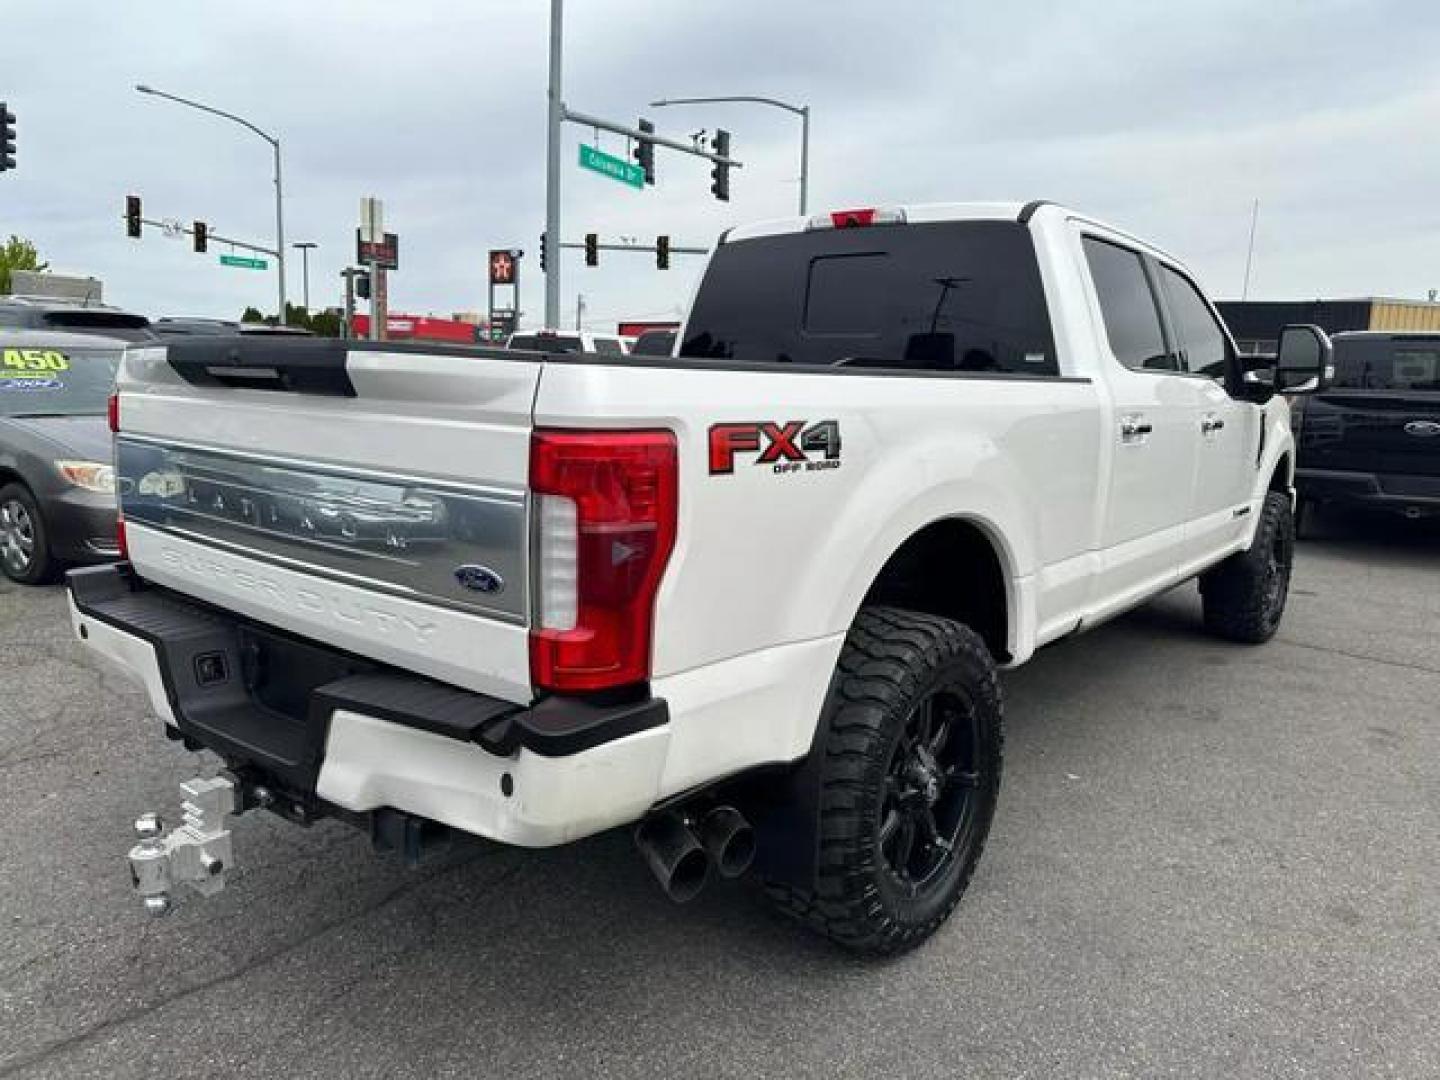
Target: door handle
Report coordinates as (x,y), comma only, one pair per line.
(1211,424)
(1133,429)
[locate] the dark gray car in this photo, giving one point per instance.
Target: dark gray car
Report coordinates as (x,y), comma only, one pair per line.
(57,484)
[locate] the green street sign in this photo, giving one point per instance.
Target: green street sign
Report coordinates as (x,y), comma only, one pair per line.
(611,166)
(243,262)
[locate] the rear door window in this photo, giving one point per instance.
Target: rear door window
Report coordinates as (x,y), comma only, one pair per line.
(1127,306)
(944,297)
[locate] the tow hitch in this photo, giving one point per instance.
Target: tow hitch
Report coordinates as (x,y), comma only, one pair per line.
(197,853)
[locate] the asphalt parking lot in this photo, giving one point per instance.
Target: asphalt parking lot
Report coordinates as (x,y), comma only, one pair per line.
(1209,860)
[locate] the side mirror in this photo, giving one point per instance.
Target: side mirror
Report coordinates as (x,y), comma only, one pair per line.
(1302,361)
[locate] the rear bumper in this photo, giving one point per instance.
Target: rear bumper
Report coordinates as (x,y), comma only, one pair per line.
(1378,490)
(81,526)
(326,729)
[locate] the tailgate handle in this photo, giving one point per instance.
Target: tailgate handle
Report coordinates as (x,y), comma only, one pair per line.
(303,366)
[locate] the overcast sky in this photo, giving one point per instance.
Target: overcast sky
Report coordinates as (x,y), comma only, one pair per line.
(1168,119)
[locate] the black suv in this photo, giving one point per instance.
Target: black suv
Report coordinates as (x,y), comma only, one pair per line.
(1372,438)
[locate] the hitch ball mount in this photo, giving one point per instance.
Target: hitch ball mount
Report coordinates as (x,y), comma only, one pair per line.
(196,853)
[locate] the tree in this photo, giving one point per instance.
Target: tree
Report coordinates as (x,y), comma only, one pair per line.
(18,254)
(325,323)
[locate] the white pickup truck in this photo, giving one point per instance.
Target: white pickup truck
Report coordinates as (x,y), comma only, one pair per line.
(750,598)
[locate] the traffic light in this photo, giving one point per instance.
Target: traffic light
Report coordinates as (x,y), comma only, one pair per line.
(645,151)
(132,216)
(542,253)
(7,138)
(362,286)
(202,235)
(592,249)
(662,252)
(720,173)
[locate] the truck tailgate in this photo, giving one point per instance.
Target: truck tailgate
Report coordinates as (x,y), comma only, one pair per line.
(1389,432)
(373,498)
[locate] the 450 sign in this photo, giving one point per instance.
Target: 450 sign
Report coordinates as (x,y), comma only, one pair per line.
(786,447)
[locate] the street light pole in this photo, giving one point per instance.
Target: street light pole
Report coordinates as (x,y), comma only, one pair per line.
(305,247)
(279,190)
(802,111)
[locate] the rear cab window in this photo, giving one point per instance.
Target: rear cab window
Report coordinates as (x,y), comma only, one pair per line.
(1379,363)
(110,323)
(958,297)
(553,343)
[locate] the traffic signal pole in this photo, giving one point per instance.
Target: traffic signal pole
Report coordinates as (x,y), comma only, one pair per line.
(674,249)
(211,234)
(557,115)
(802,111)
(552,166)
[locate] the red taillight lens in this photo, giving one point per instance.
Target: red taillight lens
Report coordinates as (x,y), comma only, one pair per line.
(112,412)
(120,540)
(852,219)
(605,519)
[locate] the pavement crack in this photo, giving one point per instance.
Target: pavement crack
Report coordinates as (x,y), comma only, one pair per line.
(1359,656)
(103,1027)
(26,759)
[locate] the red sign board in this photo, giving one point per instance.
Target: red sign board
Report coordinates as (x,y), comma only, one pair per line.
(402,327)
(502,267)
(386,253)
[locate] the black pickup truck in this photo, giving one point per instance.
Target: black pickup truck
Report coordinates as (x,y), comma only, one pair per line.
(1372,438)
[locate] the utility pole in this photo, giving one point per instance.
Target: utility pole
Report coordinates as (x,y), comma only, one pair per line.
(579,310)
(349,274)
(305,247)
(1250,250)
(552,166)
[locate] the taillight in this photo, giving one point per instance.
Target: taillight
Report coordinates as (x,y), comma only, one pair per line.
(605,524)
(120,539)
(112,412)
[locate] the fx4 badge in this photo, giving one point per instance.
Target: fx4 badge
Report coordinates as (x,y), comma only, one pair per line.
(786,448)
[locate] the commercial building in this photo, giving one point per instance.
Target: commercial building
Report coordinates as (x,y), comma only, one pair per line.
(1256,324)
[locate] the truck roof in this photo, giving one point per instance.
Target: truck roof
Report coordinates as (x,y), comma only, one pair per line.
(914,212)
(926,213)
(1398,335)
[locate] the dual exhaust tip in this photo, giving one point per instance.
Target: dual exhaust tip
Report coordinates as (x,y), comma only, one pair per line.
(681,850)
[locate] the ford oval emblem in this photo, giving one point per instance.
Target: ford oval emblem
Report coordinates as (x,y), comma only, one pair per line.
(1423,428)
(478,578)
